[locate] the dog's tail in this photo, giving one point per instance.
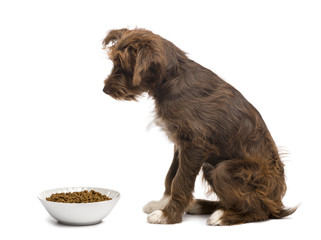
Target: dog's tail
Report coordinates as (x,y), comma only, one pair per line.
(284,212)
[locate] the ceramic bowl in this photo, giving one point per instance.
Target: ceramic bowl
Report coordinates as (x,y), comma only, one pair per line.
(79,213)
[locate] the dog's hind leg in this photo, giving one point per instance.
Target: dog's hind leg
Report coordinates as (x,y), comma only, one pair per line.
(249,191)
(235,182)
(201,206)
(157,205)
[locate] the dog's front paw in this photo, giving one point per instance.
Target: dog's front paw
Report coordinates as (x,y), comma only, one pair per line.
(157,217)
(155,205)
(152,206)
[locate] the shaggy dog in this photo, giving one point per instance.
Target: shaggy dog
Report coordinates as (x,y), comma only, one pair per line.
(213,128)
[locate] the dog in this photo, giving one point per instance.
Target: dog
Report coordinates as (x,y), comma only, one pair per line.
(213,128)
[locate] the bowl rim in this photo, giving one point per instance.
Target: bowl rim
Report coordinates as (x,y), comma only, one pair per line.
(42,198)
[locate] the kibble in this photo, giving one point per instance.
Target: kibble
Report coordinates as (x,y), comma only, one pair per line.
(78,197)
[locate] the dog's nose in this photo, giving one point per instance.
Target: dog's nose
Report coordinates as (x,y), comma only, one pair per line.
(106,90)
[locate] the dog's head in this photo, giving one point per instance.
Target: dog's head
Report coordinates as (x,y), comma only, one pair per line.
(139,62)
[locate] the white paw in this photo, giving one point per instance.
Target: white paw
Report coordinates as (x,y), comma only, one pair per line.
(216,218)
(157,217)
(155,205)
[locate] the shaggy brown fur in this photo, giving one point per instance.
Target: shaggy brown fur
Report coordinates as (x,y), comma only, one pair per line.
(212,126)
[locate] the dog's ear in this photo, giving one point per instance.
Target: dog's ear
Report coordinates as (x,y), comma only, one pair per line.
(150,63)
(113,36)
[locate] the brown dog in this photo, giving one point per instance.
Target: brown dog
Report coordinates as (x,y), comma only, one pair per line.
(212,126)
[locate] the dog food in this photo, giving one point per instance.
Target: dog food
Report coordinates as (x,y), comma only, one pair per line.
(78,197)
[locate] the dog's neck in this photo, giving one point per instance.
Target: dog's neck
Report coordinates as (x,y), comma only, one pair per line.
(173,83)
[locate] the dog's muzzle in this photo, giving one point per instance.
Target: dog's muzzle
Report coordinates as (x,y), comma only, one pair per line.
(106,90)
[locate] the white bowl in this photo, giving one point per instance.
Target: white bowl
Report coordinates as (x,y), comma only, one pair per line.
(79,213)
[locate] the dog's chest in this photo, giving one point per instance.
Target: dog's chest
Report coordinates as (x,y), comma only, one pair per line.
(172,129)
(175,121)
(164,125)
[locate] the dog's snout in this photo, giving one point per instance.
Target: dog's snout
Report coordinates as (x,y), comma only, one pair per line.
(106,90)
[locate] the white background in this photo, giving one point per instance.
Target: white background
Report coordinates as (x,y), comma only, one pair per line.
(58,129)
